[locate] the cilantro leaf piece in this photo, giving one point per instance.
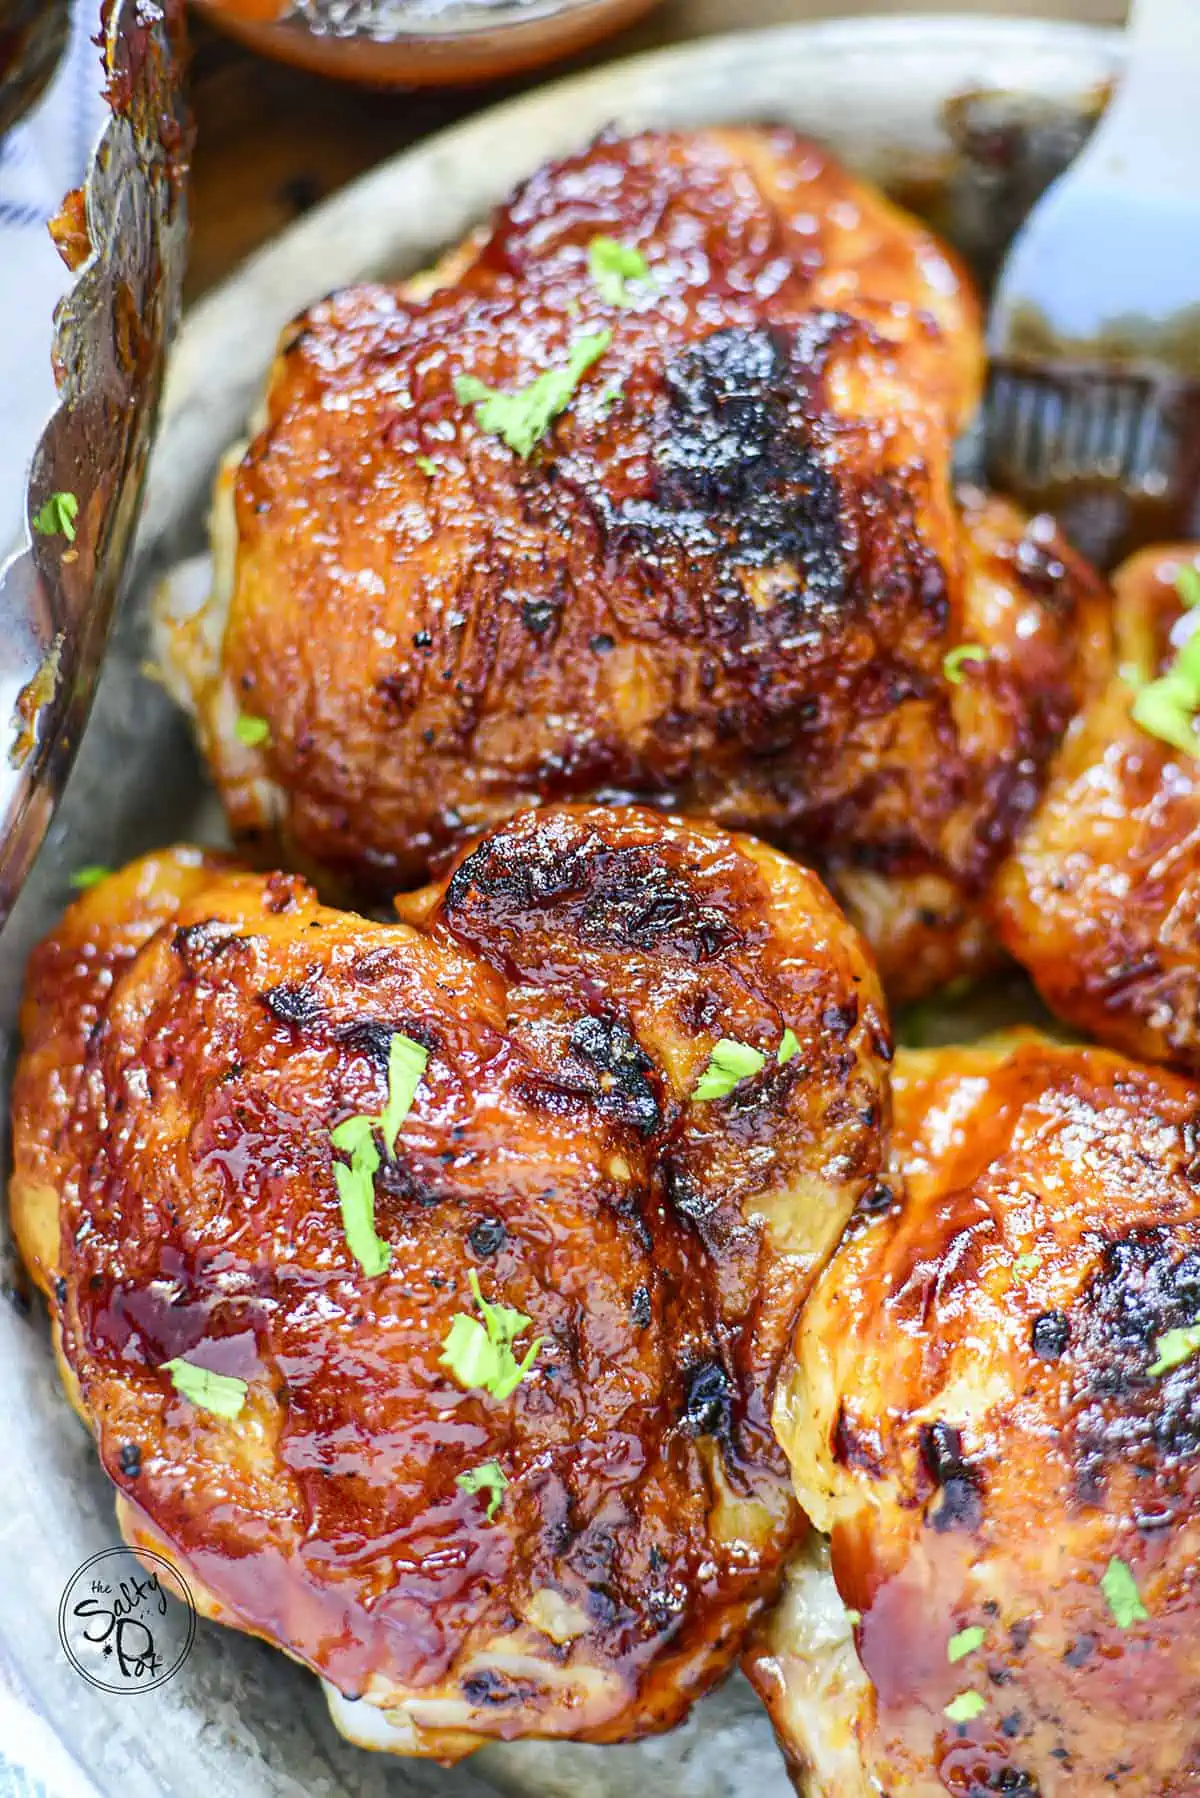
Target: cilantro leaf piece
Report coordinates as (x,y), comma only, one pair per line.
(522,418)
(220,1393)
(84,879)
(1027,1264)
(1175,1347)
(612,266)
(488,1478)
(427,465)
(480,1355)
(789,1047)
(952,662)
(965,1643)
(356,1190)
(965,1708)
(57,517)
(407,1062)
(1187,584)
(251,731)
(1124,1600)
(1166,708)
(729,1064)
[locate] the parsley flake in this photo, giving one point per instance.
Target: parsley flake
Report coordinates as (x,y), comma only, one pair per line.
(356,1190)
(253,732)
(1166,708)
(522,419)
(789,1047)
(952,662)
(355,1137)
(1187,584)
(1174,1348)
(427,465)
(220,1393)
(488,1478)
(407,1062)
(965,1643)
(613,266)
(1124,1600)
(57,517)
(965,1708)
(1027,1264)
(729,1064)
(480,1355)
(84,879)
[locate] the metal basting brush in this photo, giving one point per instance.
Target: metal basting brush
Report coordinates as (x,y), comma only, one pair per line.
(1094,406)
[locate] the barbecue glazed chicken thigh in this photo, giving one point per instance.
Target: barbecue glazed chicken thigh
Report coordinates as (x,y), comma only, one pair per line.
(425,1284)
(644,493)
(1100,899)
(995,1418)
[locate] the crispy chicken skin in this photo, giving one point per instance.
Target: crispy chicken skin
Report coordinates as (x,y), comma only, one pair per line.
(192,1035)
(725,580)
(1101,898)
(975,1424)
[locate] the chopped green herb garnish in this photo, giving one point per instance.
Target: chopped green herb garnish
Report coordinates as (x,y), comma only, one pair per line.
(488,1478)
(217,1392)
(57,517)
(789,1047)
(1166,708)
(1027,1264)
(952,663)
(965,1708)
(1174,1348)
(480,1355)
(613,265)
(251,731)
(853,1618)
(1187,584)
(356,1190)
(965,1643)
(84,879)
(407,1062)
(729,1064)
(522,419)
(1124,1600)
(355,1137)
(427,465)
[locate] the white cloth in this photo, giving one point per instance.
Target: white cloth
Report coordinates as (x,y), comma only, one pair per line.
(41,159)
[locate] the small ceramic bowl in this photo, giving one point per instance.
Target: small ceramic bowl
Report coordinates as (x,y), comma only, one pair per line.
(420,42)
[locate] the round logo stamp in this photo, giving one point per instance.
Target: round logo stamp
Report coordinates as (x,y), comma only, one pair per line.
(127,1622)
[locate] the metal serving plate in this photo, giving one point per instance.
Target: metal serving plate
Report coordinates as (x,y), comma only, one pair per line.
(127,235)
(940,109)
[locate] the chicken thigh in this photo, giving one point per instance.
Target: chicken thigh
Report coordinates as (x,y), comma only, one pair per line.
(1100,899)
(994,1418)
(646,493)
(425,1283)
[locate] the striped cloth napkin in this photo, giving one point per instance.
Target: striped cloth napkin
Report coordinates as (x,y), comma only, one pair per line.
(41,159)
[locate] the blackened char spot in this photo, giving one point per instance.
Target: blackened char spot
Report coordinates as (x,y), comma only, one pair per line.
(1147,1284)
(198,944)
(738,475)
(487,1237)
(961,1505)
(706,1405)
(1050,1336)
(622,898)
(293,1003)
(625,1091)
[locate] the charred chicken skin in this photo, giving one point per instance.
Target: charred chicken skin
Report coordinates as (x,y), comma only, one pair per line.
(644,493)
(994,1418)
(1100,899)
(518,1477)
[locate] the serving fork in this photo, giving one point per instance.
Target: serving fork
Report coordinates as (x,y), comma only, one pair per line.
(1094,403)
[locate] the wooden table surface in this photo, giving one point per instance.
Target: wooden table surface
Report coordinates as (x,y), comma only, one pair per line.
(273,142)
